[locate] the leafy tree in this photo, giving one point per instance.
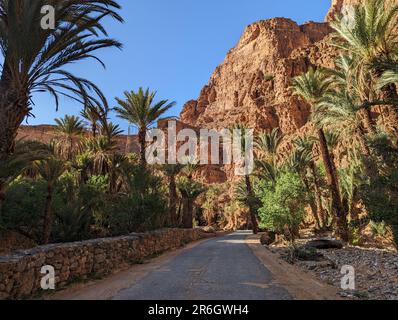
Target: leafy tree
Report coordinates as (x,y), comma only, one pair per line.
(283,207)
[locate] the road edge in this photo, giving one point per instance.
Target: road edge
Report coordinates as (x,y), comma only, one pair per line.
(300,285)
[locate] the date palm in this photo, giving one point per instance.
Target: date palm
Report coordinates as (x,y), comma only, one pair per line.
(312,87)
(304,160)
(267,145)
(36,59)
(140,109)
(241,131)
(190,190)
(369,35)
(171,171)
(69,131)
(93,115)
(50,170)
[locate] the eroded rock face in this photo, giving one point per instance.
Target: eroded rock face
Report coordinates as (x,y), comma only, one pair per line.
(252,85)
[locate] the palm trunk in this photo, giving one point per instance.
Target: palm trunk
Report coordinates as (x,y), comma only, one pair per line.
(312,204)
(253,213)
(48,216)
(318,196)
(187,218)
(142,142)
(389,93)
(337,208)
(368,121)
(2,197)
(13,110)
(94,129)
(172,201)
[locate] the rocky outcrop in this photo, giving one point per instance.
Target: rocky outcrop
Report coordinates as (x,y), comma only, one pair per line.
(252,85)
(20,274)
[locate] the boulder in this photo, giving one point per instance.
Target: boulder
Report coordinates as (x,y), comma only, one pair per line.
(322,244)
(268,238)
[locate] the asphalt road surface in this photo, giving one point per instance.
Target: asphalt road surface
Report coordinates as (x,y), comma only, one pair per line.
(219,269)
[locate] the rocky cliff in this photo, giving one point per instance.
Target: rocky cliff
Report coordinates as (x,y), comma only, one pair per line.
(252,85)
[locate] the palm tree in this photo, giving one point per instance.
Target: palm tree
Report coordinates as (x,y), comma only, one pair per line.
(35,58)
(68,142)
(25,153)
(369,35)
(302,160)
(94,115)
(250,199)
(140,109)
(312,87)
(50,170)
(171,171)
(190,191)
(267,145)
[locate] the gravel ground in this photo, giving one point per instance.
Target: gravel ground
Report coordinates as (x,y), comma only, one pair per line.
(376,271)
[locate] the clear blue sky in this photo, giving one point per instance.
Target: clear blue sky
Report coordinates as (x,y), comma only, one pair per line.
(173,46)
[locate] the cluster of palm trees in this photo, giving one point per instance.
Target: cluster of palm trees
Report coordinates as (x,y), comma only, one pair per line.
(87,148)
(345,102)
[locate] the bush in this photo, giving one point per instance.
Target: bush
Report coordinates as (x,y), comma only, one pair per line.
(283,207)
(24,207)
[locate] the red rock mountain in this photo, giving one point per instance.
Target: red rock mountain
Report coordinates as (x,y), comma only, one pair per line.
(252,85)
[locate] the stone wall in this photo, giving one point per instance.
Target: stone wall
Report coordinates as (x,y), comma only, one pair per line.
(20,274)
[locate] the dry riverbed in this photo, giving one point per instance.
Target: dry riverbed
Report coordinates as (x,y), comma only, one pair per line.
(376,271)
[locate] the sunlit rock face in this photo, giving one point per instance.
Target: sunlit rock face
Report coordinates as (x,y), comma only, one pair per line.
(252,85)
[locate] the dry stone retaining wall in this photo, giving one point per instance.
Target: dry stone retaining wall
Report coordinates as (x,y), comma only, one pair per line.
(20,274)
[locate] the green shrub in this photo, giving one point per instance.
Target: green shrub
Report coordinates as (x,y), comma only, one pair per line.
(24,206)
(283,207)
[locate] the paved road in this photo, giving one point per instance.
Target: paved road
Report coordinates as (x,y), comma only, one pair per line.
(219,269)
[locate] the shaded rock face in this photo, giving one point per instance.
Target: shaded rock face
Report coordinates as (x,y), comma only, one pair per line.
(252,85)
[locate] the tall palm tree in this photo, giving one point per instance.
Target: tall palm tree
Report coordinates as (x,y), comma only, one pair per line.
(250,198)
(267,144)
(69,130)
(94,115)
(312,87)
(36,58)
(50,170)
(305,158)
(171,171)
(370,36)
(190,190)
(140,109)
